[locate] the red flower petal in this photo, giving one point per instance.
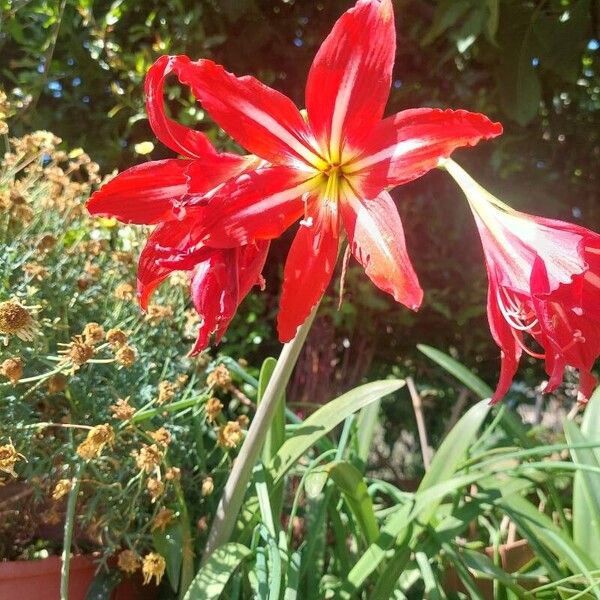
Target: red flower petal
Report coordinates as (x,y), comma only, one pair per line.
(410,143)
(144,194)
(349,81)
(259,204)
(260,119)
(377,241)
(309,267)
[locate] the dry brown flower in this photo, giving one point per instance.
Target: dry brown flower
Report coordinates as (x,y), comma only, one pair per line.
(35,270)
(156,313)
(122,410)
(12,369)
(16,319)
(123,257)
(243,420)
(148,457)
(166,392)
(230,435)
(125,291)
(208,486)
(219,378)
(173,474)
(61,489)
(78,351)
(57,383)
(213,409)
(163,517)
(161,436)
(93,333)
(9,458)
(153,566)
(182,379)
(51,516)
(46,243)
(97,438)
(155,487)
(116,337)
(126,356)
(92,270)
(128,561)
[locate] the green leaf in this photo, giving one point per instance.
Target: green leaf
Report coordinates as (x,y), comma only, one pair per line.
(322,421)
(103,584)
(457,370)
(480,563)
(213,576)
(433,589)
(276,435)
(168,544)
(366,423)
(586,492)
(447,13)
(491,26)
(354,489)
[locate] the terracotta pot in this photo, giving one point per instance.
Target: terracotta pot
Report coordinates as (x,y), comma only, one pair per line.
(40,580)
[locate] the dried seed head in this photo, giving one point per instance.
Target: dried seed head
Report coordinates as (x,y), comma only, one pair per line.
(220,378)
(116,337)
(126,356)
(173,474)
(122,410)
(35,271)
(128,561)
(16,319)
(61,489)
(213,409)
(46,243)
(153,565)
(208,486)
(9,458)
(230,435)
(163,517)
(12,369)
(78,351)
(166,392)
(243,420)
(57,383)
(161,436)
(156,313)
(148,457)
(93,333)
(125,291)
(97,438)
(155,488)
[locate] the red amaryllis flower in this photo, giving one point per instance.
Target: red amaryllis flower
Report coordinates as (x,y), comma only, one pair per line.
(333,169)
(544,288)
(156,193)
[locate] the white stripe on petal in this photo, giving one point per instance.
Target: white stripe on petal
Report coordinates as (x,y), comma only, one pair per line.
(390,153)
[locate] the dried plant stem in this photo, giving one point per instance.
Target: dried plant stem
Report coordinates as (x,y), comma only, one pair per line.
(418,408)
(235,488)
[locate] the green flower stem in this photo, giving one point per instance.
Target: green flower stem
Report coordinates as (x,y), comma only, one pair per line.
(68,534)
(235,488)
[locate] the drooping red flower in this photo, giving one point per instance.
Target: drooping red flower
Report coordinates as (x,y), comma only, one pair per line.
(544,288)
(156,193)
(332,170)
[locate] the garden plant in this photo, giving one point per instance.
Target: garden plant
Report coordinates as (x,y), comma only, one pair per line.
(142,427)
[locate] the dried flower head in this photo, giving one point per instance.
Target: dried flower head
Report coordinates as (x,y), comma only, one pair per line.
(46,243)
(148,457)
(12,369)
(155,488)
(116,337)
(122,410)
(78,351)
(126,356)
(125,291)
(208,486)
(213,409)
(166,392)
(35,270)
(219,378)
(153,566)
(92,270)
(230,435)
(9,458)
(97,438)
(123,257)
(243,420)
(128,561)
(51,516)
(57,383)
(182,379)
(173,474)
(202,524)
(156,313)
(163,517)
(93,333)
(161,436)
(61,489)
(16,319)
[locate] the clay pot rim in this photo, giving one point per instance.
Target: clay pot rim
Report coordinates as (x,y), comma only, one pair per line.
(18,569)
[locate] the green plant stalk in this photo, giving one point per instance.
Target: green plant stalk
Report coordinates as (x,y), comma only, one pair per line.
(235,488)
(68,533)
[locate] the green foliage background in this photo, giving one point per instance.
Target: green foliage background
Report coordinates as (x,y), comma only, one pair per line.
(78,67)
